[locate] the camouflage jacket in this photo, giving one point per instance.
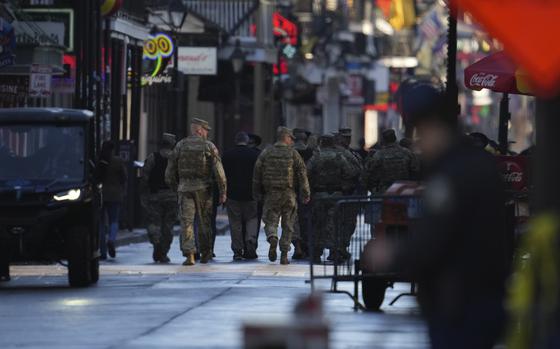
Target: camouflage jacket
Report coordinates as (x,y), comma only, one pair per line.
(330,171)
(280,168)
(194,165)
(390,164)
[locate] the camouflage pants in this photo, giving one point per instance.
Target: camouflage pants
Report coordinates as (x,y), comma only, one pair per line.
(196,203)
(301,228)
(280,205)
(161,212)
(349,218)
(324,224)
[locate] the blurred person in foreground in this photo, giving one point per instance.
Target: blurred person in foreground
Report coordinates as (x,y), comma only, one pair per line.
(457,253)
(239,163)
(193,167)
(278,172)
(159,201)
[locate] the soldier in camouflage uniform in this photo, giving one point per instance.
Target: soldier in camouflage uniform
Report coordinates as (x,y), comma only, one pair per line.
(193,165)
(301,235)
(389,164)
(159,201)
(278,171)
(352,187)
(329,171)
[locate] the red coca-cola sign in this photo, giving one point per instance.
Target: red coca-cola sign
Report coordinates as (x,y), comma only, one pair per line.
(514,172)
(484,80)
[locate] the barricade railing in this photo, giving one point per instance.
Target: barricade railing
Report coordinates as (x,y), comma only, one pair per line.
(356,220)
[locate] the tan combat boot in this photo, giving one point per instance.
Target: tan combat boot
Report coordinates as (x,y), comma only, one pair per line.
(190,259)
(284,258)
(272,256)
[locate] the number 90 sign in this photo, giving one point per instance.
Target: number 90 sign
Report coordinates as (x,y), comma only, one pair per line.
(159,46)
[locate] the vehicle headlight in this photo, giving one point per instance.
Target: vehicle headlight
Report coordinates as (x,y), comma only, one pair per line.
(70,195)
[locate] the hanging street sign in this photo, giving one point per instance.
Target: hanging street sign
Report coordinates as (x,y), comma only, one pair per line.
(529,30)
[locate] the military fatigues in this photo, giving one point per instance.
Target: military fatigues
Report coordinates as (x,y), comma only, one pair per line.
(276,174)
(160,202)
(390,164)
(192,165)
(328,171)
(301,233)
(350,188)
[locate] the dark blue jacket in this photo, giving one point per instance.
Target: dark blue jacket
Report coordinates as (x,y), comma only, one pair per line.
(239,163)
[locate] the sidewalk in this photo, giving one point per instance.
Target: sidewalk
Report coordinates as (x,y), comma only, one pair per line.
(138,235)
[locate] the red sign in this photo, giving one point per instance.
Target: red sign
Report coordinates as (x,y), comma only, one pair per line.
(529,30)
(514,171)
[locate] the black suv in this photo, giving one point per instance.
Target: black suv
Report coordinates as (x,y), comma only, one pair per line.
(49,201)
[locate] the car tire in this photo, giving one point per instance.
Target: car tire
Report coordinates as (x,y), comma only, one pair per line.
(79,257)
(373,292)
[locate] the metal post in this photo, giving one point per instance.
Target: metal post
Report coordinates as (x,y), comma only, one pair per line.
(504,122)
(259,93)
(179,124)
(546,163)
(452,89)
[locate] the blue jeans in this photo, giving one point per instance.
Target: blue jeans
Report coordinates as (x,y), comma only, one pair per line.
(110,211)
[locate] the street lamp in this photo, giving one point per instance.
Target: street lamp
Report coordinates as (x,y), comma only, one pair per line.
(176,15)
(237,60)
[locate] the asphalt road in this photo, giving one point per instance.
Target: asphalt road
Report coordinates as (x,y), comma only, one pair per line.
(138,304)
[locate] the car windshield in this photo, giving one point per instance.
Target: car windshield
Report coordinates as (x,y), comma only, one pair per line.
(41,152)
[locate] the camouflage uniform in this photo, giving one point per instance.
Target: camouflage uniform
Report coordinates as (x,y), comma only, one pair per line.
(328,171)
(192,166)
(278,171)
(160,205)
(390,164)
(301,234)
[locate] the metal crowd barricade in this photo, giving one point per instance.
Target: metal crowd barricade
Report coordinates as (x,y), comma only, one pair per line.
(358,220)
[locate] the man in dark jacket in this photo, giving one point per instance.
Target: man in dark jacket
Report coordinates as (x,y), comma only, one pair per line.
(458,253)
(239,164)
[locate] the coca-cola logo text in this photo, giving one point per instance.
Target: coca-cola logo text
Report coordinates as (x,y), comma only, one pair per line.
(484,80)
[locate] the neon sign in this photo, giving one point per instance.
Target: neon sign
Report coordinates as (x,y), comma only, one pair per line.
(157,48)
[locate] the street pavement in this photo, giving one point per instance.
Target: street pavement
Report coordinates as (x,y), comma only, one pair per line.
(139,304)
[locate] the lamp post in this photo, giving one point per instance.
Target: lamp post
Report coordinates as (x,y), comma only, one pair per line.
(237,60)
(176,15)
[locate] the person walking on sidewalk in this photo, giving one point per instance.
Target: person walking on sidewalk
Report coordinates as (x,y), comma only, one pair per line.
(278,171)
(239,164)
(159,201)
(192,167)
(111,173)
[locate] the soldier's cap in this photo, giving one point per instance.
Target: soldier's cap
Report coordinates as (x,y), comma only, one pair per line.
(389,136)
(345,132)
(282,131)
(255,139)
(200,122)
(326,140)
(300,134)
(168,138)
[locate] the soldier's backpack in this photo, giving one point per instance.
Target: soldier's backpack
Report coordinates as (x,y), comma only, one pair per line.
(156,179)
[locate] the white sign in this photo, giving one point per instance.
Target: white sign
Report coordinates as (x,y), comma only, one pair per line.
(29,33)
(198,60)
(40,80)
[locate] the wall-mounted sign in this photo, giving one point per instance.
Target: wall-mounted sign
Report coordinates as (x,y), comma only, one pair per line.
(198,60)
(40,80)
(109,7)
(157,48)
(7,43)
(51,33)
(55,15)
